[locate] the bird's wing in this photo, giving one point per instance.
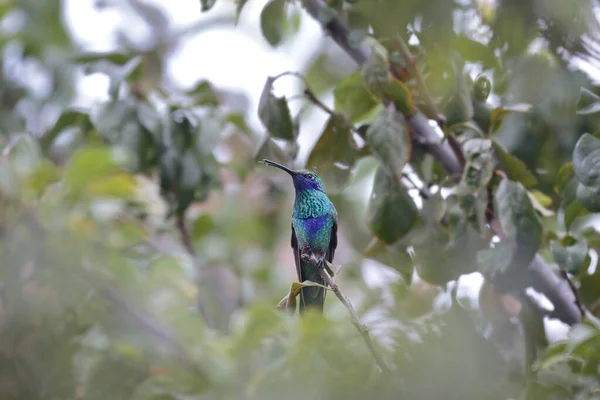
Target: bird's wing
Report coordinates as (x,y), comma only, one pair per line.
(296,254)
(297,261)
(332,239)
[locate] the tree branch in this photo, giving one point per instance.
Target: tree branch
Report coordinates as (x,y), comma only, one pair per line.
(362,329)
(542,278)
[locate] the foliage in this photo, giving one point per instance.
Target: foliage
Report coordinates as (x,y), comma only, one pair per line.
(144,251)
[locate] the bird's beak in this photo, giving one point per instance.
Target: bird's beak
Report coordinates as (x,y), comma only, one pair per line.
(274,164)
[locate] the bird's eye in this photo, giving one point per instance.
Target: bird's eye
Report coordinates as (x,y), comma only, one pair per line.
(310,176)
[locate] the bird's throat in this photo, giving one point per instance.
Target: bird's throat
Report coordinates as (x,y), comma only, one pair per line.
(311,204)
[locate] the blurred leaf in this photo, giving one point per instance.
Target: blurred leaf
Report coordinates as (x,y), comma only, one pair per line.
(375,74)
(275,113)
(25,154)
(514,168)
(389,141)
(400,94)
(497,259)
(474,51)
(68,118)
(519,221)
(589,102)
(204,94)
(272,21)
(590,289)
(570,253)
(391,211)
(352,98)
(565,175)
(459,107)
(206,5)
(239,121)
(540,202)
(238,9)
(482,89)
(119,185)
(202,225)
(499,114)
(333,155)
(589,198)
(116,58)
(289,301)
(574,210)
(270,150)
(586,161)
(89,164)
(358,24)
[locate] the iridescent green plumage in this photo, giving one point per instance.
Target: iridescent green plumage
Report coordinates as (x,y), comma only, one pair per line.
(314,231)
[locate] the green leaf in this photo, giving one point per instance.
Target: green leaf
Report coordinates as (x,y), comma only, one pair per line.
(272,21)
(238,9)
(68,118)
(482,89)
(352,98)
(204,94)
(565,174)
(333,155)
(25,154)
(519,221)
(358,24)
(149,118)
(590,288)
(456,242)
(116,58)
(183,131)
(570,253)
(94,170)
(389,141)
(589,198)
(586,161)
(202,225)
(540,202)
(589,102)
(270,150)
(460,106)
(499,113)
(573,211)
(391,211)
(514,168)
(274,113)
(399,93)
(375,74)
(496,259)
(206,5)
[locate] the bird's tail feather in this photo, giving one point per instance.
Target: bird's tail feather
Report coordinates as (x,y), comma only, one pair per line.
(312,297)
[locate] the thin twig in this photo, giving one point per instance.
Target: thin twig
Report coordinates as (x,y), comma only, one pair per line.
(315,100)
(362,329)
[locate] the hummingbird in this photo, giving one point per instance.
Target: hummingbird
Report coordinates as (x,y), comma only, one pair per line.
(314,233)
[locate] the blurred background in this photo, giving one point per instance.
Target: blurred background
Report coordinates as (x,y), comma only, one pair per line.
(144,249)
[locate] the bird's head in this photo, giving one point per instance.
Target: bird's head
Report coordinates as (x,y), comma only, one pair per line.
(303,179)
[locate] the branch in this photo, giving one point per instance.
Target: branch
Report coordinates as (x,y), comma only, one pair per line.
(449,155)
(323,267)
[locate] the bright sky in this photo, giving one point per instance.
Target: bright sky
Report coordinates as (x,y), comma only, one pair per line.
(237,59)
